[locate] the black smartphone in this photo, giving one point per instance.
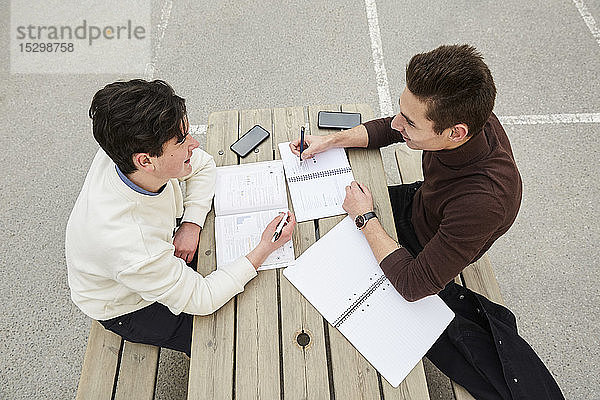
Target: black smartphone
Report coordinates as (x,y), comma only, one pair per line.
(340,120)
(248,142)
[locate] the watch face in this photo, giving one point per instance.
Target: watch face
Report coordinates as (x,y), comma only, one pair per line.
(359,221)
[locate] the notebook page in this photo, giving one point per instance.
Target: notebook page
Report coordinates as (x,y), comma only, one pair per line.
(391,333)
(405,331)
(335,271)
(328,160)
(319,198)
(250,187)
(317,185)
(236,235)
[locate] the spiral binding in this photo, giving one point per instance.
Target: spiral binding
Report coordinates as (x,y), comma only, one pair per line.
(357,303)
(320,174)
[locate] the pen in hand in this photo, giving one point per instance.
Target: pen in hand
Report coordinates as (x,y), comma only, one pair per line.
(279,228)
(301,142)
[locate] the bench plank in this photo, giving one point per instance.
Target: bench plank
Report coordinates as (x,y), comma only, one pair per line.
(257,331)
(137,373)
(211,362)
(409,164)
(304,368)
(479,277)
(99,369)
(460,393)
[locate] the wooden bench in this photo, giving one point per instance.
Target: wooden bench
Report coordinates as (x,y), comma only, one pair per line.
(116,368)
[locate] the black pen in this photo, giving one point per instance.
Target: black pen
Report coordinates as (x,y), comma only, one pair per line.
(301,142)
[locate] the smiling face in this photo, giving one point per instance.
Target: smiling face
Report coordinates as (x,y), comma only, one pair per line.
(175,160)
(416,129)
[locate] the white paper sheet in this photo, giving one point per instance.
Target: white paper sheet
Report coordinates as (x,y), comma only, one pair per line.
(391,333)
(317,185)
(250,187)
(239,233)
(247,198)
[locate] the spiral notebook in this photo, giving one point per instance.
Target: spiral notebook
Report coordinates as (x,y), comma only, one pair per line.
(317,184)
(247,198)
(340,277)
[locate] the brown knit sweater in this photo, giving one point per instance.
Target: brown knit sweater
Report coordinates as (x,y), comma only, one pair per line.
(469,198)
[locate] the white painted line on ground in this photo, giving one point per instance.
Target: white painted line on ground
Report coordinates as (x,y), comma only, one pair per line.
(550,119)
(588,19)
(383,86)
(165,15)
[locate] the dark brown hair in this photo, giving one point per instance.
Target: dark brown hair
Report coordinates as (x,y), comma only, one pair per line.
(456,85)
(136,117)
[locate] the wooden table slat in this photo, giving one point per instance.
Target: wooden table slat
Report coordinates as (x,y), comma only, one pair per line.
(211,363)
(353,376)
(257,331)
(304,368)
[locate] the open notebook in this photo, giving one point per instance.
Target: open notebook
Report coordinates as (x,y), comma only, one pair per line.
(340,277)
(247,198)
(317,184)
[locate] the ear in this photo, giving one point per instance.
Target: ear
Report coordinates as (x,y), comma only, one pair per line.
(459,132)
(143,162)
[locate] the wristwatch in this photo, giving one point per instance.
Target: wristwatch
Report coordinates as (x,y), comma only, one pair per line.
(361,220)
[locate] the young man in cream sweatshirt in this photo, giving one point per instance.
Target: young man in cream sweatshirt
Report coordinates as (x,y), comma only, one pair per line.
(126,256)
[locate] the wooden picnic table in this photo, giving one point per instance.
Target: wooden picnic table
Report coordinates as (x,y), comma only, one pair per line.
(269,342)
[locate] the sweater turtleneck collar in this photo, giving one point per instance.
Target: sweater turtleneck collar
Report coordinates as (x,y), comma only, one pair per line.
(469,153)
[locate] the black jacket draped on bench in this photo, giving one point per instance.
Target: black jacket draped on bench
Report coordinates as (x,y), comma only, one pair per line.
(481,349)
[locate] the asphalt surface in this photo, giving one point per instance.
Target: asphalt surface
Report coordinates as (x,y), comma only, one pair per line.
(239,55)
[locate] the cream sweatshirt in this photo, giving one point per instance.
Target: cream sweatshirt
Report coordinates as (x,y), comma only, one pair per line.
(119,245)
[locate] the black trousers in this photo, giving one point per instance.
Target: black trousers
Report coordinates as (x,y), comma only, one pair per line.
(481,349)
(156,325)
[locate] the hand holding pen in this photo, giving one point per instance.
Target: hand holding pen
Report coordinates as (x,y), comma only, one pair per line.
(306,146)
(283,224)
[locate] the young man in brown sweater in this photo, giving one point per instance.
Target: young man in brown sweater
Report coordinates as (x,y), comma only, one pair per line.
(470,196)
(472,188)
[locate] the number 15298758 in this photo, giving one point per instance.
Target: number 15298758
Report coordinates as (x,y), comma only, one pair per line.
(49,47)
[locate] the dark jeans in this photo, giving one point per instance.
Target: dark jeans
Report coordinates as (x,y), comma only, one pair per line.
(481,349)
(156,325)
(401,197)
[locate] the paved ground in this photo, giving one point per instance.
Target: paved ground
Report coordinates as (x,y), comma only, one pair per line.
(242,54)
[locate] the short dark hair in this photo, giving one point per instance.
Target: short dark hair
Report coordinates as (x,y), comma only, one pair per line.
(456,85)
(136,117)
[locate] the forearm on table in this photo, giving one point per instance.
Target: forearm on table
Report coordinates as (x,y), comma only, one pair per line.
(380,242)
(258,256)
(354,137)
(401,273)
